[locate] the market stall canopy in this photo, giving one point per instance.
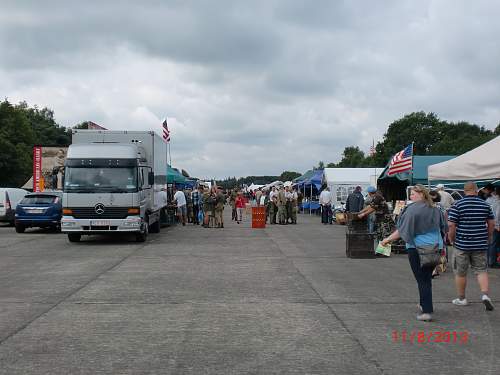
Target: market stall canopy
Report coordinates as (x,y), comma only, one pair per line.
(481,163)
(314,179)
(419,173)
(305,176)
(174,176)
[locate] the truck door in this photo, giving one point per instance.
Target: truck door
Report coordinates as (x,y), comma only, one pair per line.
(146,191)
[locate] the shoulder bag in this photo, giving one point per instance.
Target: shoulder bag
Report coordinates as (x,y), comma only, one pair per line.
(430,255)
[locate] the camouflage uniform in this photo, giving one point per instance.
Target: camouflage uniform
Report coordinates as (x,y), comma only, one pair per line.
(220,199)
(282,207)
(383,219)
(295,207)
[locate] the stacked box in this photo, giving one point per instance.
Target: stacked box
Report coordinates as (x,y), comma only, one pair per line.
(360,245)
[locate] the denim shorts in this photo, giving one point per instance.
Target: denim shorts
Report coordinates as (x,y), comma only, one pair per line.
(182,210)
(462,259)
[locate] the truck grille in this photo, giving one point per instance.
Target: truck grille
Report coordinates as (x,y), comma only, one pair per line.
(109,213)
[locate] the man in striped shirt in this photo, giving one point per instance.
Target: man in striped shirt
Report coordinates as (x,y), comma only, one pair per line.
(471,227)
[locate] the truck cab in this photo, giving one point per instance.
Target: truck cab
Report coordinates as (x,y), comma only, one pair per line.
(109,187)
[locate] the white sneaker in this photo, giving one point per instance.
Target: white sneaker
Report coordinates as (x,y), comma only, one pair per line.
(487,302)
(460,302)
(424,317)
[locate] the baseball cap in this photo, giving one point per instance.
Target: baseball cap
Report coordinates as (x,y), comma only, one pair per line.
(440,186)
(371,189)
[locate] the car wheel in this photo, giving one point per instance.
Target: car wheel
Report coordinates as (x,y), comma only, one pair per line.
(74,237)
(20,228)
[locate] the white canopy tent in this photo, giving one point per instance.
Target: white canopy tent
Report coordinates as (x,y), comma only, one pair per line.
(481,163)
(343,181)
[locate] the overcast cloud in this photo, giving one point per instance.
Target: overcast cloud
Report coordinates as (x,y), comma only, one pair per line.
(253,87)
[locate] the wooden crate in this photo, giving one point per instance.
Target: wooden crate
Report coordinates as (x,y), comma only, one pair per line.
(360,245)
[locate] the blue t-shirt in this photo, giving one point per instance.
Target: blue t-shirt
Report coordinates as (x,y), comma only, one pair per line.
(430,238)
(470,214)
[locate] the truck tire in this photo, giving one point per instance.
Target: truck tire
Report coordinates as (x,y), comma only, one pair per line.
(143,234)
(155,227)
(20,228)
(74,237)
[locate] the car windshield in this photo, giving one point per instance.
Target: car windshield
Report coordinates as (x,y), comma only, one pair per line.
(117,180)
(39,199)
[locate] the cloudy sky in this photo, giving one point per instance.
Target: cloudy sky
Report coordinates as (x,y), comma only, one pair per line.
(253,87)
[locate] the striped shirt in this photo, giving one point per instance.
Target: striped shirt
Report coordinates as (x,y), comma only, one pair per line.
(470,215)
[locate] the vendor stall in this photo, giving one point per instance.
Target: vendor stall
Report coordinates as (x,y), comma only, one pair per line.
(394,187)
(343,181)
(481,165)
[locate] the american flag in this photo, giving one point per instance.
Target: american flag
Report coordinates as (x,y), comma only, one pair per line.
(402,161)
(166,132)
(372,149)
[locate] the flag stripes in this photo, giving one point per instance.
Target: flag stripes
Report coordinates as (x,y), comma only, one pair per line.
(402,161)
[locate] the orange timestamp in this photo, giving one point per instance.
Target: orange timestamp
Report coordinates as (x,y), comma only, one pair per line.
(423,337)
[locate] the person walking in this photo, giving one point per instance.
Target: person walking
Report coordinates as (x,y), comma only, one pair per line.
(220,200)
(180,200)
(325,200)
(232,202)
(471,229)
(197,199)
(355,201)
(420,223)
(273,205)
(240,206)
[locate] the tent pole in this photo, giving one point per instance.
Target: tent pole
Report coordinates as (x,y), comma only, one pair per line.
(310,200)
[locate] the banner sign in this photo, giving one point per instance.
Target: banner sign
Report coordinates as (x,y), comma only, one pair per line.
(37,168)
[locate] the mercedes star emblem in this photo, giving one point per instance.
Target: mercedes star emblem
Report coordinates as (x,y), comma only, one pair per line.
(99,208)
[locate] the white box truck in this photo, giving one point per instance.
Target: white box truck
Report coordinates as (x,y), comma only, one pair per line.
(112,183)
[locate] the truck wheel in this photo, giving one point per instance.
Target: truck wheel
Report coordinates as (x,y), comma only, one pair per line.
(142,235)
(20,228)
(74,237)
(155,227)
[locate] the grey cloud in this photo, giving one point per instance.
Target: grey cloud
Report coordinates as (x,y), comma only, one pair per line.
(255,87)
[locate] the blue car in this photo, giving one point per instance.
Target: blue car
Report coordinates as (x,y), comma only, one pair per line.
(42,210)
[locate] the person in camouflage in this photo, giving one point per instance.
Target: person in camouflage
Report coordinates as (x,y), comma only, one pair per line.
(384,224)
(282,206)
(220,200)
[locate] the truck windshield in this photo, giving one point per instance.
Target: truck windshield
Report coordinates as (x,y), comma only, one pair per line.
(97,179)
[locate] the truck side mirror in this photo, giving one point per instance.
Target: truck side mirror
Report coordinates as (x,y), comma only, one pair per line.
(151,178)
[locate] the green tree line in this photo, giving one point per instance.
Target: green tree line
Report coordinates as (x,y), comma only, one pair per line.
(21,128)
(429,134)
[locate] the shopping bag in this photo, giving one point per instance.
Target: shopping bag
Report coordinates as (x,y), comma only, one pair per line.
(384,250)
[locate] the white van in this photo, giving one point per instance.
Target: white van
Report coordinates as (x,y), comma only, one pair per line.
(9,198)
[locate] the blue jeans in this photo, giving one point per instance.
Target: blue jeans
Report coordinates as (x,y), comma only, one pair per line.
(371,223)
(423,275)
(493,248)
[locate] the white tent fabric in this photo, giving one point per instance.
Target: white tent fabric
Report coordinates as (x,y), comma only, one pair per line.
(481,163)
(343,181)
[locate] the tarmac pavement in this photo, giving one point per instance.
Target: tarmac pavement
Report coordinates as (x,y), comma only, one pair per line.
(279,300)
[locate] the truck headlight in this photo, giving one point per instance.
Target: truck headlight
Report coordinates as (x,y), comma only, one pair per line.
(132,222)
(68,224)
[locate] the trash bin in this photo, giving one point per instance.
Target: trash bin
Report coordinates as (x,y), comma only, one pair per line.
(259,217)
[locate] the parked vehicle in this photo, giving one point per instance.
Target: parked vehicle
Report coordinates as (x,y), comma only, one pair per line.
(41,210)
(9,198)
(113,182)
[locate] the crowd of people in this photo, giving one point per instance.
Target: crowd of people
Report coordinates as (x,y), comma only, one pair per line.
(469,226)
(205,205)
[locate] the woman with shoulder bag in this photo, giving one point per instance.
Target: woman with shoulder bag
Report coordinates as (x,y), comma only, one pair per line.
(421,225)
